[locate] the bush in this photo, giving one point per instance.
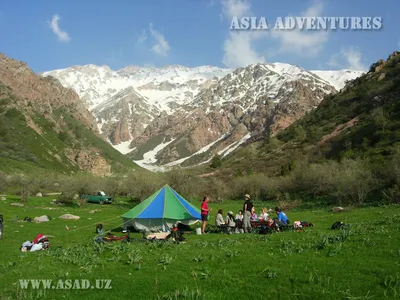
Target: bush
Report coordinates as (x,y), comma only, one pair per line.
(216,161)
(3,184)
(63,136)
(141,184)
(185,183)
(26,185)
(353,182)
(81,184)
(66,199)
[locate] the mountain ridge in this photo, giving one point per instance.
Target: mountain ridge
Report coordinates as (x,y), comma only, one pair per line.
(145,105)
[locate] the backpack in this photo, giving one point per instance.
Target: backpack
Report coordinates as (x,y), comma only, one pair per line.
(337,225)
(306,224)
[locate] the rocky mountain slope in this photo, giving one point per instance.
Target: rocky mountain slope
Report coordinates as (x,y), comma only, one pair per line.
(362,122)
(177,115)
(44,125)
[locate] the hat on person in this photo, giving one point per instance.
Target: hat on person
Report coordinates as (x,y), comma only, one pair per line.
(230,212)
(247,196)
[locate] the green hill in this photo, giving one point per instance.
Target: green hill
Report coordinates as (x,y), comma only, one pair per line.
(45,128)
(351,138)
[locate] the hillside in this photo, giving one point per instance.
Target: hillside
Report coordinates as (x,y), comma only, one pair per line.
(361,121)
(45,127)
(347,149)
(163,117)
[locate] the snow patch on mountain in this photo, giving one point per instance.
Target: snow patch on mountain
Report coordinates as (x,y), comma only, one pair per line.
(235,145)
(149,157)
(338,78)
(123,147)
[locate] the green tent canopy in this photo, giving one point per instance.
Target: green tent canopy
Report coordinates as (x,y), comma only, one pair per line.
(161,210)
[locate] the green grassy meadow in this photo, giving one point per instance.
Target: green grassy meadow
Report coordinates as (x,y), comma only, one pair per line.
(317,263)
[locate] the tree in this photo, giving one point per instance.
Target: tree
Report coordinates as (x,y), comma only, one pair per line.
(3,185)
(25,184)
(300,133)
(380,118)
(216,161)
(63,136)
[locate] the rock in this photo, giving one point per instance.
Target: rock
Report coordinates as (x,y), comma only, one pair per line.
(41,219)
(93,211)
(39,195)
(17,204)
(69,217)
(88,160)
(3,198)
(382,76)
(337,209)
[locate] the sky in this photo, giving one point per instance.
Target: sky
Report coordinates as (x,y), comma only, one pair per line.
(50,34)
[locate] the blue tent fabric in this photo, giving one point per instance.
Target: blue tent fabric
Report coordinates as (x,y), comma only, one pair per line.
(156,207)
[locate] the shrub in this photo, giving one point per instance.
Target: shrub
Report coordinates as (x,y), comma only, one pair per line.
(26,185)
(63,136)
(3,184)
(216,161)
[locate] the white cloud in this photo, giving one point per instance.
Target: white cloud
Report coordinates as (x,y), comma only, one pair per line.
(236,8)
(301,42)
(238,47)
(62,35)
(161,47)
(142,38)
(348,58)
(239,50)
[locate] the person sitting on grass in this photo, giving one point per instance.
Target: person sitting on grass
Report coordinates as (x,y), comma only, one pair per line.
(230,222)
(99,228)
(254,216)
(239,216)
(264,215)
(271,225)
(219,219)
(282,219)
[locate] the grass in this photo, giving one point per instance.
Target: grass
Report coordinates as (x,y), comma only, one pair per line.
(318,263)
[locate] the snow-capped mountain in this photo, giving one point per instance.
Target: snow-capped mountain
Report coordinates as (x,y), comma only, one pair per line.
(180,115)
(160,86)
(339,78)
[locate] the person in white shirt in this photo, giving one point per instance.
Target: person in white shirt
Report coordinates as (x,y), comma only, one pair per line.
(230,222)
(264,215)
(219,219)
(239,216)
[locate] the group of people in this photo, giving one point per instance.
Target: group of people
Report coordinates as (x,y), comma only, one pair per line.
(242,221)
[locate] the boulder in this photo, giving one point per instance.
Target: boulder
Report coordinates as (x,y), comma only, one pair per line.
(3,198)
(93,211)
(337,209)
(41,219)
(39,195)
(17,204)
(69,217)
(382,76)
